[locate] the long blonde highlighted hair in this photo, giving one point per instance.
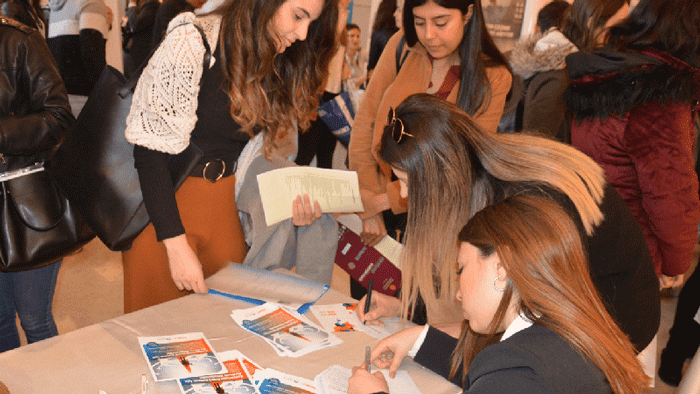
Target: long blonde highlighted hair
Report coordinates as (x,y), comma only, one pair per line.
(541,250)
(455,168)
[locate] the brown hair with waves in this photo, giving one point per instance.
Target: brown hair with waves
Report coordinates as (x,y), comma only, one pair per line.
(542,253)
(272,91)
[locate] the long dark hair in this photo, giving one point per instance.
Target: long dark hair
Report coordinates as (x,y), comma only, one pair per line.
(586,18)
(385,16)
(671,26)
(542,253)
(268,89)
(476,52)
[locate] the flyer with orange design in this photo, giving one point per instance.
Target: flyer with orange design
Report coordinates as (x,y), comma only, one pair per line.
(180,356)
(343,318)
(289,333)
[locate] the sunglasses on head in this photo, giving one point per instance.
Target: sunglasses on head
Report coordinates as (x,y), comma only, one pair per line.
(396,127)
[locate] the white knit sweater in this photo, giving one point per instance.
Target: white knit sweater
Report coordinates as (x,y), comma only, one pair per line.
(163,111)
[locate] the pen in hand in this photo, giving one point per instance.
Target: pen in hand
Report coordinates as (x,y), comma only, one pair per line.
(368,301)
(368,359)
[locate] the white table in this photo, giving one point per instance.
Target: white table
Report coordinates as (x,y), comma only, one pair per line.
(107,356)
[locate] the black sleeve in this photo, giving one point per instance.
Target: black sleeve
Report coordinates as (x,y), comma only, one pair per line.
(436,354)
(158,192)
(92,48)
(41,92)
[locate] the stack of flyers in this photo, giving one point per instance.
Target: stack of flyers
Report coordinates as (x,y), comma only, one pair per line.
(180,356)
(342,317)
(275,382)
(289,333)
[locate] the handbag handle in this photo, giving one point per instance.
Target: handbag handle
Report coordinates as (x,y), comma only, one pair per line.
(130,85)
(37,182)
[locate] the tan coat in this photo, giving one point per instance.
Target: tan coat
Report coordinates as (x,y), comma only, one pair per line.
(387,89)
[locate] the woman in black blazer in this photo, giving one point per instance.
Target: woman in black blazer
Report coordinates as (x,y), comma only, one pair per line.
(533,320)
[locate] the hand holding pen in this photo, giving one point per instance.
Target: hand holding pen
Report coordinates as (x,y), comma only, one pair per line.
(368,299)
(371,308)
(363,381)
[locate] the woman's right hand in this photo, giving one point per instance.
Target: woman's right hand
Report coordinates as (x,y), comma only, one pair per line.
(382,306)
(185,268)
(391,350)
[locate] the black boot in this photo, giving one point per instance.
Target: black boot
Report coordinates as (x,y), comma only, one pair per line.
(671,368)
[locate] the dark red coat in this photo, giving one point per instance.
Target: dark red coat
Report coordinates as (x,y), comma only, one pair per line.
(634,115)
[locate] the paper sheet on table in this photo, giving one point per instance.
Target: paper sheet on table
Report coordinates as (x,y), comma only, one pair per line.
(334,380)
(335,190)
(279,288)
(276,382)
(343,318)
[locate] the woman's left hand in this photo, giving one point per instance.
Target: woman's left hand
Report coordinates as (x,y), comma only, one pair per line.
(363,382)
(302,214)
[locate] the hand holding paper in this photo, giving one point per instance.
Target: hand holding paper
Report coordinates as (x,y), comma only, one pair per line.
(335,191)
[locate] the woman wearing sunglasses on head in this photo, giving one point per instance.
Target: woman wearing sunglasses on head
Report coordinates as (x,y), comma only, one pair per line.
(448,53)
(533,320)
(449,168)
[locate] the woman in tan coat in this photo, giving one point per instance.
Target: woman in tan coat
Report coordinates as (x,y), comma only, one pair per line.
(448,53)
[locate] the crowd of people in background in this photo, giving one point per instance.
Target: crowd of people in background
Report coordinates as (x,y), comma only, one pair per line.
(563,231)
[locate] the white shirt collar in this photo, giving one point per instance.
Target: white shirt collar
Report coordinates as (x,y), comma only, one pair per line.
(520,323)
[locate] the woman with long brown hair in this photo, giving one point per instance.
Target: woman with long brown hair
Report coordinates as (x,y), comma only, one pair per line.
(269,58)
(533,320)
(449,168)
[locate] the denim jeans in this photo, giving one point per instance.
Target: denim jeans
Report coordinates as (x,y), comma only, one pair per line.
(28,294)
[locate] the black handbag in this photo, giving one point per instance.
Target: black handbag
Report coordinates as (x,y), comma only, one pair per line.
(38,225)
(94,166)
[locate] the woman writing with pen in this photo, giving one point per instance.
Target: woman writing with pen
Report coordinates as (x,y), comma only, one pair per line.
(533,320)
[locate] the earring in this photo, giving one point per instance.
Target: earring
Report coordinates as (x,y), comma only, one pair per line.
(496,288)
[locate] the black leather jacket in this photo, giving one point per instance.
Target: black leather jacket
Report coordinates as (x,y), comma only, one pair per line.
(34,111)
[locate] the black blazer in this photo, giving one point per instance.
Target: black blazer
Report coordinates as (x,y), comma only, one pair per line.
(534,360)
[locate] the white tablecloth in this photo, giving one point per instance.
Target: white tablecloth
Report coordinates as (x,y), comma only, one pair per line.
(106,356)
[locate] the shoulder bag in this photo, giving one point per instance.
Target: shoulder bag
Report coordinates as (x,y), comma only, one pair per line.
(95,165)
(39,226)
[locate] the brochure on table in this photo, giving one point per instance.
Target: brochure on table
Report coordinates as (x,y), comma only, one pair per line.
(343,318)
(235,380)
(287,332)
(180,356)
(289,290)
